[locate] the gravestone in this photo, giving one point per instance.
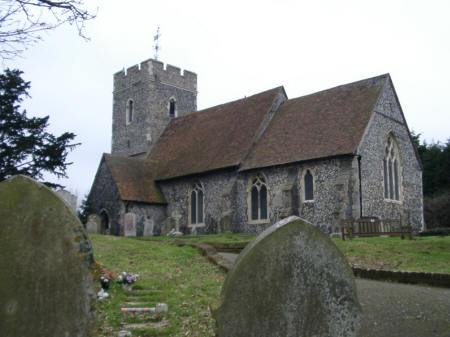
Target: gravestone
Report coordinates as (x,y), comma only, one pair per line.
(176,215)
(93,224)
(148,227)
(130,224)
(47,281)
(290,281)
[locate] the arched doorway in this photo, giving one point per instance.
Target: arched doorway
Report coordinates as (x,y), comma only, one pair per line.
(105,226)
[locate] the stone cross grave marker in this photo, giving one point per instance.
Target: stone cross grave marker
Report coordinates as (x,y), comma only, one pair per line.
(176,215)
(290,281)
(130,224)
(47,281)
(148,227)
(93,224)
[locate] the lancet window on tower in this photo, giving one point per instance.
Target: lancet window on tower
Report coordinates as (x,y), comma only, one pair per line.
(130,111)
(172,108)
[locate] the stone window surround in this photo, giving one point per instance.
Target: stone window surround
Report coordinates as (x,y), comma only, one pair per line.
(302,184)
(174,100)
(196,186)
(129,108)
(399,168)
(249,200)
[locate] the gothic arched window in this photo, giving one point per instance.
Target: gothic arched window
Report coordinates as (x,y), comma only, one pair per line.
(391,170)
(130,111)
(258,210)
(309,186)
(196,205)
(172,107)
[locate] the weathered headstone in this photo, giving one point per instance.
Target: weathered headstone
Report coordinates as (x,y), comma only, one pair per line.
(68,197)
(290,281)
(47,280)
(130,224)
(148,227)
(93,224)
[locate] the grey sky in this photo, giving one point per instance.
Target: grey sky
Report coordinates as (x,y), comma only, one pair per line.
(238,48)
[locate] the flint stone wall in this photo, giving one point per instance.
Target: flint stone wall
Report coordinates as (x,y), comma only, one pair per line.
(47,285)
(105,196)
(386,120)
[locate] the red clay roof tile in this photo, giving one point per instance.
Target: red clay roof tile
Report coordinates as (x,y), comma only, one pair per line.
(133,179)
(324,124)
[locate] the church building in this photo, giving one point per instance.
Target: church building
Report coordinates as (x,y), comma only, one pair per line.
(341,153)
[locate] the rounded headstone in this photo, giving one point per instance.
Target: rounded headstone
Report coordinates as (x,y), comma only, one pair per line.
(290,281)
(47,278)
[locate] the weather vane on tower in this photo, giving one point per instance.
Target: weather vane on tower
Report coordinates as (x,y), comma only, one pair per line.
(156,46)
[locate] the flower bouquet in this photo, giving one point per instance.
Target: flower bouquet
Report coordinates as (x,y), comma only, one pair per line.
(127,279)
(106,279)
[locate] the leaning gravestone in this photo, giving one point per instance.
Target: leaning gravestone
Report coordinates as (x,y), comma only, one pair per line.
(47,269)
(290,281)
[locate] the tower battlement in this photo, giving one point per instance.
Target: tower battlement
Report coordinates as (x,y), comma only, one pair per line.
(146,97)
(153,70)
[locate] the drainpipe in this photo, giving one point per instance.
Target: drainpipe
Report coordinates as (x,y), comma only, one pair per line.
(360,188)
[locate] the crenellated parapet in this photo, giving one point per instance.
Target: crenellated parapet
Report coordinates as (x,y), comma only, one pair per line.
(153,70)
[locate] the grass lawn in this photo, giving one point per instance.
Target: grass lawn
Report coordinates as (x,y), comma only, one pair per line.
(178,276)
(189,283)
(427,254)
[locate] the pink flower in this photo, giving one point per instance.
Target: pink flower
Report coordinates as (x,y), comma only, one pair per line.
(104,271)
(111,275)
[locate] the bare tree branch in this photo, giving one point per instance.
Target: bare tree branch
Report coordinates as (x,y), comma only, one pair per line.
(22,22)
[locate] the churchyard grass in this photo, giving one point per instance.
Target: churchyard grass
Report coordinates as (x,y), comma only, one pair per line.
(178,276)
(219,238)
(422,254)
(189,283)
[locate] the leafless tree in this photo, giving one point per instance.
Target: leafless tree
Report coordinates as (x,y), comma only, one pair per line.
(22,22)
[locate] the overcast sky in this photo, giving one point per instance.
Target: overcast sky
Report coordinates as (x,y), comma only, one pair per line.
(239,48)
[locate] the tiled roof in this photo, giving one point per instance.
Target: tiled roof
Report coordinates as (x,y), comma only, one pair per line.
(325,124)
(210,139)
(133,179)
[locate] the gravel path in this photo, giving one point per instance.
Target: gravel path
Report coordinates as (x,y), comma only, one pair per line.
(399,310)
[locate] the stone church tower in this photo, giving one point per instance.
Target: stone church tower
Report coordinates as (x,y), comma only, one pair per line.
(145,98)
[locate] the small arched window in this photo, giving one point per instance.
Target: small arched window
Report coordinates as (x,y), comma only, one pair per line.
(391,170)
(130,111)
(258,199)
(172,108)
(309,186)
(196,201)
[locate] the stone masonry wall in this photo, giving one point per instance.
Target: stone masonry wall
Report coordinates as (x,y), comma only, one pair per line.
(157,213)
(386,120)
(150,87)
(104,195)
(334,195)
(336,191)
(215,185)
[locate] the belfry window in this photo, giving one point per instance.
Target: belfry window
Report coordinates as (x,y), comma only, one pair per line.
(196,207)
(391,171)
(130,111)
(258,199)
(172,107)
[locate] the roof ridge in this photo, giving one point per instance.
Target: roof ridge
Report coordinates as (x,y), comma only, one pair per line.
(379,77)
(227,103)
